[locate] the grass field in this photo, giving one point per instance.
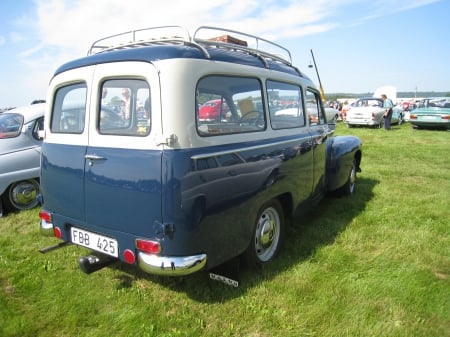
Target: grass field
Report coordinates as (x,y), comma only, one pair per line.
(374,264)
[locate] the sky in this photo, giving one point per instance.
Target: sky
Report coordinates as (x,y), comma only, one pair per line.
(358,45)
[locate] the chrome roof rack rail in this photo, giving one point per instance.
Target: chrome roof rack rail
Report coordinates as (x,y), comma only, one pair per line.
(140,37)
(254,45)
(168,35)
(145,37)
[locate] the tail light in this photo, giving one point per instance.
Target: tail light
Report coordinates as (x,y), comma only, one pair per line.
(57,232)
(45,216)
(445,116)
(411,116)
(148,246)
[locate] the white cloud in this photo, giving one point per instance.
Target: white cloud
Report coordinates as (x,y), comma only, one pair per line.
(56,31)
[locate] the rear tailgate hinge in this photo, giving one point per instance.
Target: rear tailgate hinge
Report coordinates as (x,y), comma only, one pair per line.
(169,141)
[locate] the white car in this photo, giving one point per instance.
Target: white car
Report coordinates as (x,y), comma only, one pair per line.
(20,150)
(370,112)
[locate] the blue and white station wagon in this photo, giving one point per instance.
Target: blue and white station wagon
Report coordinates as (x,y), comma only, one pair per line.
(131,172)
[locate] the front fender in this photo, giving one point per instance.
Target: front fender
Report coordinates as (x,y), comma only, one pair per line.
(342,151)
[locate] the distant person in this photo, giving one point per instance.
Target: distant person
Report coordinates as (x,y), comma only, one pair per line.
(125,103)
(104,94)
(387,105)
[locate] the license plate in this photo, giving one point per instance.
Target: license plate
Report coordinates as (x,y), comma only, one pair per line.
(429,117)
(94,241)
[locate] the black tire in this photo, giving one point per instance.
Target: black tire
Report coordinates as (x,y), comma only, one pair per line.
(268,235)
(349,187)
(21,195)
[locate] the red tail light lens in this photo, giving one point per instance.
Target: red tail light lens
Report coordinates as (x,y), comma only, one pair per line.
(46,216)
(129,257)
(445,117)
(57,232)
(148,246)
(412,116)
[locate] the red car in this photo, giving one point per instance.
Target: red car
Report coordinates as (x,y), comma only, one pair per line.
(213,111)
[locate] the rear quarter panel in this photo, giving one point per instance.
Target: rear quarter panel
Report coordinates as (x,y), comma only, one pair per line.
(341,152)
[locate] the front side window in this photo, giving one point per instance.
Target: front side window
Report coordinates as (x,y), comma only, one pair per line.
(314,108)
(69,109)
(125,108)
(285,105)
(37,128)
(10,125)
(229,104)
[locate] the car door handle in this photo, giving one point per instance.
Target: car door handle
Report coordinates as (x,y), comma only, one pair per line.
(92,158)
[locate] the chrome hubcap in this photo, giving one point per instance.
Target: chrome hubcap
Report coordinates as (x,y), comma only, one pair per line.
(267,234)
(23,195)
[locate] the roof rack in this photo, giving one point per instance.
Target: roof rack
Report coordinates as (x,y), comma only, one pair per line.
(253,44)
(203,36)
(141,37)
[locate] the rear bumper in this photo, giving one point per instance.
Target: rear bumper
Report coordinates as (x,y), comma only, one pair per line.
(171,265)
(369,122)
(155,264)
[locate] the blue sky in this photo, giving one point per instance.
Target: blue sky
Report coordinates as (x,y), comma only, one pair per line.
(358,45)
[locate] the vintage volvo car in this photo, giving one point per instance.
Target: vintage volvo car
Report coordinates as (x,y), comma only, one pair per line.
(167,191)
(20,151)
(432,113)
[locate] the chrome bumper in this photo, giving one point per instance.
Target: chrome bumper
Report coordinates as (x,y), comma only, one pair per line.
(171,265)
(46,228)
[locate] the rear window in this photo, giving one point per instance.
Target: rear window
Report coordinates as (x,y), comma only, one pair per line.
(10,125)
(69,109)
(125,108)
(229,104)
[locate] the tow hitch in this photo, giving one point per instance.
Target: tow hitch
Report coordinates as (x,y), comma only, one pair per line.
(91,263)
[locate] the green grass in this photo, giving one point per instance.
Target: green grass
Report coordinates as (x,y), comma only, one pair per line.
(375,264)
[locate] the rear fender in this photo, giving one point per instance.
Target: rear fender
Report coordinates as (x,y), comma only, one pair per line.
(342,151)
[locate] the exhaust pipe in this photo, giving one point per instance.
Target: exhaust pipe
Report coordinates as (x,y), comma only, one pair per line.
(89,264)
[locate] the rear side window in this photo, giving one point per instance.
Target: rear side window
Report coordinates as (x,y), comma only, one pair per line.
(314,108)
(69,109)
(229,104)
(125,108)
(285,105)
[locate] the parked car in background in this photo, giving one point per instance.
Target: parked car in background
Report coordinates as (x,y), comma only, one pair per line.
(332,114)
(370,112)
(214,110)
(431,113)
(20,149)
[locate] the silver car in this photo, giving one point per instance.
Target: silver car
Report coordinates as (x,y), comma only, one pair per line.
(369,111)
(20,150)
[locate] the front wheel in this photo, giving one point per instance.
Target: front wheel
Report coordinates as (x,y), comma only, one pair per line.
(268,235)
(22,195)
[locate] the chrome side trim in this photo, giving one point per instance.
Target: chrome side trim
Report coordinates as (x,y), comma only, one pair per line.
(171,265)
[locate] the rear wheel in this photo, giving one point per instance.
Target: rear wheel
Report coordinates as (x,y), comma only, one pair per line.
(268,234)
(349,187)
(22,195)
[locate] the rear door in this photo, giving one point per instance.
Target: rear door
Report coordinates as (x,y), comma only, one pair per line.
(65,143)
(122,161)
